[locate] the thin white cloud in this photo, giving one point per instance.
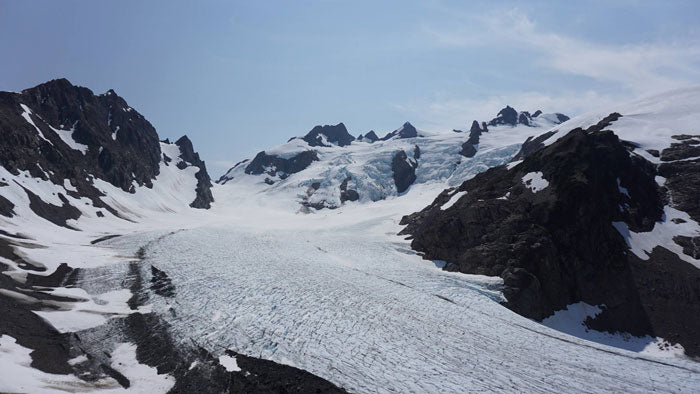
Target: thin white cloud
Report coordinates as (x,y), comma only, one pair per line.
(640,68)
(617,72)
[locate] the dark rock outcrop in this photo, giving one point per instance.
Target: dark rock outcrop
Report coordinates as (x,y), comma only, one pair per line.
(273,165)
(468,150)
(506,116)
(681,168)
(524,118)
(347,194)
(204,197)
(57,215)
(562,118)
(120,141)
(509,116)
(533,144)
(56,131)
(227,177)
(161,283)
(403,170)
(337,135)
(7,208)
(475,132)
(469,147)
(406,131)
(370,137)
(557,245)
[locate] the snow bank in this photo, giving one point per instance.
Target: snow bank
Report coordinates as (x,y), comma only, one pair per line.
(535,181)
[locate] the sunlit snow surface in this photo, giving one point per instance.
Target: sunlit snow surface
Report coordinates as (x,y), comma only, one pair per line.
(337,292)
(340,295)
(369,166)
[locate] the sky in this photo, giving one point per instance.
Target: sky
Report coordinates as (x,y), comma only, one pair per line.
(241,76)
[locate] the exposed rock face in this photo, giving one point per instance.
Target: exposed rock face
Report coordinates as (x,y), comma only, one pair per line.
(225,178)
(58,215)
(681,168)
(509,116)
(533,144)
(337,135)
(524,118)
(406,131)
(273,165)
(506,116)
(57,131)
(370,137)
(416,152)
(6,207)
(553,240)
(562,118)
(469,147)
(347,194)
(129,143)
(403,170)
(204,197)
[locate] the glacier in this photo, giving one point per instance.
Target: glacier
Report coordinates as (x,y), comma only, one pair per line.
(335,292)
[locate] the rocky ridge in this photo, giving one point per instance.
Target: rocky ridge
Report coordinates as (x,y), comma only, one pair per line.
(57,132)
(368,162)
(555,225)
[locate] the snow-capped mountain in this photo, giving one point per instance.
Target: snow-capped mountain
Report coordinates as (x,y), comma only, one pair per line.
(76,170)
(328,167)
(86,145)
(123,269)
(603,209)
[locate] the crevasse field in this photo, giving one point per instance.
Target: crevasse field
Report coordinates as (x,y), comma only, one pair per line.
(348,301)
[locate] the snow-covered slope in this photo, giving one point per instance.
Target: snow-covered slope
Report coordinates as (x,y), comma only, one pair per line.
(77,169)
(366,166)
(340,295)
(157,294)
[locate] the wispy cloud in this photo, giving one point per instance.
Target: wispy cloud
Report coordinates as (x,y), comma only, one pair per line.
(614,72)
(641,68)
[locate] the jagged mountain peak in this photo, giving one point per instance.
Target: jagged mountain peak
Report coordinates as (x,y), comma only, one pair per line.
(57,83)
(328,135)
(57,131)
(407,130)
(509,116)
(370,137)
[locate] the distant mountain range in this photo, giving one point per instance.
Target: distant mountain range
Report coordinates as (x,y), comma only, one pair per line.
(602,209)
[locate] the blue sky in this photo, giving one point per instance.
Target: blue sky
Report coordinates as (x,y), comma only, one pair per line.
(238,77)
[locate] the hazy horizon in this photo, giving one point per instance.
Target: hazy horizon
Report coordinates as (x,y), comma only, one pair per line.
(240,77)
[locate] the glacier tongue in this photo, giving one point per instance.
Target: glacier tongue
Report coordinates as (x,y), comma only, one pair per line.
(342,297)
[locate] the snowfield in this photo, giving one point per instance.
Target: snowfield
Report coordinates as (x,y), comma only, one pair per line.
(335,292)
(340,295)
(368,165)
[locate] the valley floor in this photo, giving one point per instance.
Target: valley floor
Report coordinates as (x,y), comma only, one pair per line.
(340,295)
